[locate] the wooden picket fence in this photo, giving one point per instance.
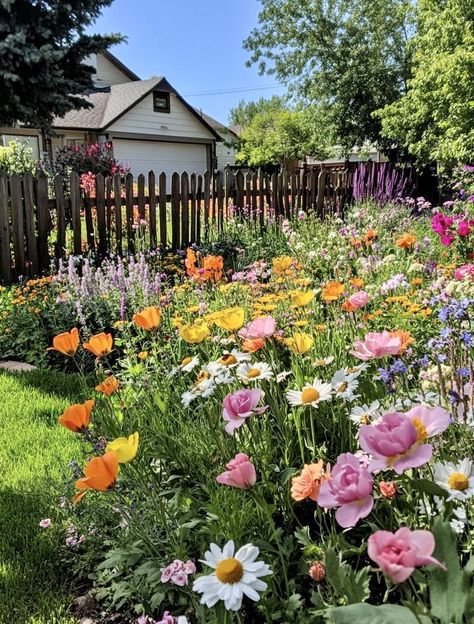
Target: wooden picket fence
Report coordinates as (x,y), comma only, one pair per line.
(43,220)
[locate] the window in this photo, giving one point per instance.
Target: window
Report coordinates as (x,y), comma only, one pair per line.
(30,142)
(161,101)
(74,142)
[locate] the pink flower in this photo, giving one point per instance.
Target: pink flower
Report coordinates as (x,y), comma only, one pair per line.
(398,554)
(463,228)
(349,488)
(446,239)
(440,223)
(358,299)
(240,405)
(261,327)
(376,345)
(241,473)
(180,578)
(466,270)
(189,567)
(397,441)
(46,523)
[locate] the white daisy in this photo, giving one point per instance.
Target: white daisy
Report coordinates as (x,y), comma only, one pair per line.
(310,394)
(233,358)
(283,375)
(218,373)
(202,389)
(324,361)
(186,366)
(256,371)
(364,414)
(233,576)
(355,371)
(344,385)
(457,479)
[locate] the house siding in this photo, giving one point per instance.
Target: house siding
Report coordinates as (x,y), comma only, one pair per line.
(107,73)
(179,122)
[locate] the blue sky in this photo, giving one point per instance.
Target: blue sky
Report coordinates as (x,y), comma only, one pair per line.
(196,44)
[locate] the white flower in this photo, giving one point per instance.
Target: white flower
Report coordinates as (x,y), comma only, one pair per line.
(283,375)
(310,394)
(457,479)
(233,576)
(186,366)
(355,371)
(218,373)
(324,361)
(256,371)
(233,358)
(344,385)
(203,388)
(364,414)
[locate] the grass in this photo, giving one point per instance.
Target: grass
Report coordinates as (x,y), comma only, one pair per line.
(34,455)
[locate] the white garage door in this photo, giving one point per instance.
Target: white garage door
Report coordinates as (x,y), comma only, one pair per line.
(158,156)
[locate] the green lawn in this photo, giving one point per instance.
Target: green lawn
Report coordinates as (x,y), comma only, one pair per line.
(34,453)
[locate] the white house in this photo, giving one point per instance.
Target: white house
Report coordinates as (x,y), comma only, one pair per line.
(150,125)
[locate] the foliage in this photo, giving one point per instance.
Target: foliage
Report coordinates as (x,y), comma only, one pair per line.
(94,158)
(243,114)
(348,58)
(43,46)
(434,120)
(17,158)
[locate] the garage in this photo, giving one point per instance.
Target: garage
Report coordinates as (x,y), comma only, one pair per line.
(161,156)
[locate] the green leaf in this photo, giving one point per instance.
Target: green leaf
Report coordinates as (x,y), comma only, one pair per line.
(428,487)
(369,614)
(351,585)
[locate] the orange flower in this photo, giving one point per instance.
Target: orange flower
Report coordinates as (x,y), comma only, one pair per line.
(347,306)
(356,242)
(108,386)
(66,343)
(370,236)
(332,291)
(77,417)
(148,319)
(100,474)
(308,483)
(211,266)
(357,282)
(250,345)
(406,339)
(406,241)
(100,344)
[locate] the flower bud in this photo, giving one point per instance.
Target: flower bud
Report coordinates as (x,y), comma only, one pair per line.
(317,571)
(388,489)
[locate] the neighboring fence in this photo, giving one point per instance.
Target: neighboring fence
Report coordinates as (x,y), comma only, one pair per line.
(42,220)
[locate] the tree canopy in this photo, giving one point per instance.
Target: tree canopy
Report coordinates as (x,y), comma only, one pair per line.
(243,114)
(349,58)
(43,46)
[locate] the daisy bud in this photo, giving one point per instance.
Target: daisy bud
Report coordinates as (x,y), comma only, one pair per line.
(388,489)
(317,571)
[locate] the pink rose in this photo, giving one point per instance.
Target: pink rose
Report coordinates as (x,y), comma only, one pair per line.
(261,327)
(376,345)
(241,473)
(358,299)
(240,405)
(398,554)
(466,270)
(349,488)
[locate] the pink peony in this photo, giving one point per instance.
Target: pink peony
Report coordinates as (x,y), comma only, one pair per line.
(398,554)
(446,239)
(466,270)
(397,441)
(261,327)
(376,345)
(241,473)
(359,299)
(240,405)
(349,488)
(464,228)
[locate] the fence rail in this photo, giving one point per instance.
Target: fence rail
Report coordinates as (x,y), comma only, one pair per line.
(44,219)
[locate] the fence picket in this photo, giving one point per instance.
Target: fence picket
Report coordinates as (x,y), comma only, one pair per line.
(129,212)
(207,202)
(152,208)
(17,225)
(30,222)
(199,209)
(5,260)
(162,193)
(184,210)
(74,185)
(100,210)
(175,210)
(44,221)
(118,212)
(193,206)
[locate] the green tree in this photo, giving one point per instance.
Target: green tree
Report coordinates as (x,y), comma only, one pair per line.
(277,137)
(349,57)
(434,120)
(244,112)
(42,48)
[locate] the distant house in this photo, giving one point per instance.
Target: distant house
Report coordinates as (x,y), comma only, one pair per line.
(150,124)
(368,152)
(228,146)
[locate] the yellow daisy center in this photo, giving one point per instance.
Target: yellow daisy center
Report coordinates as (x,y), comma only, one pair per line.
(203,375)
(229,570)
(228,360)
(342,387)
(458,481)
(253,372)
(320,363)
(309,395)
(421,433)
(186,361)
(364,419)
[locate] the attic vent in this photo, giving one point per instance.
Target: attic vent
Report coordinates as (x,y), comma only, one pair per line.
(161,101)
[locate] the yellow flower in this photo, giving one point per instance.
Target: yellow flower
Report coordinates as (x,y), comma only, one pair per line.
(125,448)
(299,343)
(194,333)
(300,323)
(143,355)
(321,327)
(192,309)
(282,265)
(301,298)
(230,318)
(177,321)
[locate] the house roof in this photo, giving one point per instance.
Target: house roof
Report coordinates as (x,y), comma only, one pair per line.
(217,125)
(123,68)
(110,105)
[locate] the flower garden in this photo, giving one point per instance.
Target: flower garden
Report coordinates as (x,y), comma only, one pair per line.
(277,427)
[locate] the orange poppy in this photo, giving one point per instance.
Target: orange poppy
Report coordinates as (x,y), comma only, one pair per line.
(100,344)
(148,319)
(406,339)
(347,306)
(108,386)
(77,417)
(100,474)
(370,236)
(308,483)
(332,291)
(250,345)
(66,343)
(357,282)
(406,241)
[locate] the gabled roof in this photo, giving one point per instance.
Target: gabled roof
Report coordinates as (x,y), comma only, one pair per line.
(110,105)
(119,65)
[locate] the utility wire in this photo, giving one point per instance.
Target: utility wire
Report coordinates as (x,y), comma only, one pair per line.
(223,91)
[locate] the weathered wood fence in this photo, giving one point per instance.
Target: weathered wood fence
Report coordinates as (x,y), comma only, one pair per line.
(44,219)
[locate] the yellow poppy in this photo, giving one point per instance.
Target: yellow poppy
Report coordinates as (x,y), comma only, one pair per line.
(301,298)
(230,319)
(194,333)
(125,448)
(299,343)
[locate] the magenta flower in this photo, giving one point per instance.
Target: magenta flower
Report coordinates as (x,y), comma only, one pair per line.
(398,440)
(349,488)
(261,327)
(398,554)
(376,345)
(464,271)
(446,239)
(464,228)
(358,299)
(241,473)
(240,405)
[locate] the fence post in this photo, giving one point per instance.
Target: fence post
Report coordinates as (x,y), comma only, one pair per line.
(118,212)
(162,192)
(5,261)
(321,192)
(100,211)
(184,210)
(152,208)
(44,221)
(207,202)
(129,212)
(30,221)
(74,182)
(17,225)
(193,207)
(175,200)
